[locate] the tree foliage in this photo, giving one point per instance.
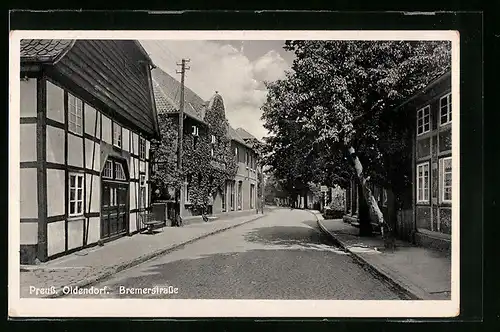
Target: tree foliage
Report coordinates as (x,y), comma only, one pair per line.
(166,174)
(340,94)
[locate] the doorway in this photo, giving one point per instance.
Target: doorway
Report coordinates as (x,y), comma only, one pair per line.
(115,199)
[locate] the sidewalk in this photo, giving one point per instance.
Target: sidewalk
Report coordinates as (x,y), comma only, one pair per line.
(419,272)
(88,266)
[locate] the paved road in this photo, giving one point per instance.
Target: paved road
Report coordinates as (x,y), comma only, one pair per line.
(281,256)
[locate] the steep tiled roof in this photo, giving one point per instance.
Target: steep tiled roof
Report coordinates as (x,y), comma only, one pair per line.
(235,136)
(245,134)
(44,50)
(167,96)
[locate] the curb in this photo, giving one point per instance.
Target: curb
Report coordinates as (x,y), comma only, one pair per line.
(139,260)
(402,289)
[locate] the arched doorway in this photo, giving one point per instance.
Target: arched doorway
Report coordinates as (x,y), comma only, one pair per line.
(114,199)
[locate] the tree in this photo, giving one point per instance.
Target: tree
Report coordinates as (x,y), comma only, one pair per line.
(336,98)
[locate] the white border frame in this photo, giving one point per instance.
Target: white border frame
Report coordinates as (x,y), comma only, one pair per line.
(25,307)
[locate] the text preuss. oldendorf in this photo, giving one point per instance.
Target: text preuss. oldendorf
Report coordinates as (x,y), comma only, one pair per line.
(121,290)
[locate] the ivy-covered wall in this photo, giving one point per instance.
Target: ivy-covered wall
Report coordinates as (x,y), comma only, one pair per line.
(208,162)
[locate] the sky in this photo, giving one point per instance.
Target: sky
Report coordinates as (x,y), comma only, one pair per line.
(236,69)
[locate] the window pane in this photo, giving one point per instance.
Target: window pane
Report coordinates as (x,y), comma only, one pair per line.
(80,182)
(79,196)
(72,207)
(72,194)
(447,180)
(80,207)
(447,165)
(72,181)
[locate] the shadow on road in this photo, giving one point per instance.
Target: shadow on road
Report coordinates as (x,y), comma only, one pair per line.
(259,274)
(288,235)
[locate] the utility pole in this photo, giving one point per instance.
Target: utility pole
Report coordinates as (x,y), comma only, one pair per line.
(181,110)
(181,128)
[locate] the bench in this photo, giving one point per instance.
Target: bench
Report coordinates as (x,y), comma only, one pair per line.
(150,222)
(207,218)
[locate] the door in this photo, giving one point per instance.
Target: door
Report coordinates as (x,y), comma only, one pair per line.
(114,206)
(114,214)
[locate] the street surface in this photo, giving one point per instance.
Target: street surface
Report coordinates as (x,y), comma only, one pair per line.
(280,256)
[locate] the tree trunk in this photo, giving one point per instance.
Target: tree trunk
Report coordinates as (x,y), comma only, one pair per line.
(375,212)
(365,225)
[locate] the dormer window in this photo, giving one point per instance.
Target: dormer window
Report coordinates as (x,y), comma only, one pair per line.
(75,114)
(117,135)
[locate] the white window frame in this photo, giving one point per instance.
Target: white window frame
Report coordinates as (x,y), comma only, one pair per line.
(232,195)
(121,172)
(442,182)
(142,148)
(448,106)
(108,171)
(142,191)
(240,195)
(117,141)
(423,198)
(421,115)
(77,189)
(75,109)
(252,192)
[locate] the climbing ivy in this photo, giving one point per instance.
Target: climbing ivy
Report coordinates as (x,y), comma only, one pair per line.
(206,174)
(165,173)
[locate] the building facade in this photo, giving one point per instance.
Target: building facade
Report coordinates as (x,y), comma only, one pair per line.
(87,117)
(427,220)
(240,193)
(432,186)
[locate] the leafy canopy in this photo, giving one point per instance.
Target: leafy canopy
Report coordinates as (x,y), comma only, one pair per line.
(338,94)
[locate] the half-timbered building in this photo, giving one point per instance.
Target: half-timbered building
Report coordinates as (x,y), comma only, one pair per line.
(424,214)
(87,117)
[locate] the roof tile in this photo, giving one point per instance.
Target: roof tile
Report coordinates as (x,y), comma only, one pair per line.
(42,50)
(167,96)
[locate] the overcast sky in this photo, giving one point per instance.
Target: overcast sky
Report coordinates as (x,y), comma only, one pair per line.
(236,69)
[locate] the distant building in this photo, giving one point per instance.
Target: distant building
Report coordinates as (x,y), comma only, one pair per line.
(87,119)
(240,194)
